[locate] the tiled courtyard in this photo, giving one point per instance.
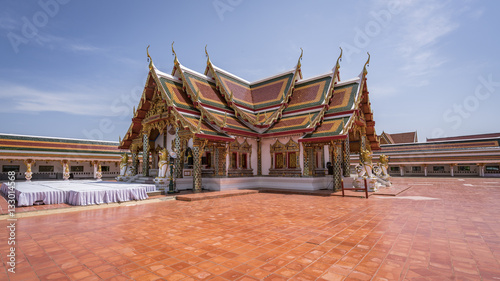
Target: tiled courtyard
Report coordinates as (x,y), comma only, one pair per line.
(439,229)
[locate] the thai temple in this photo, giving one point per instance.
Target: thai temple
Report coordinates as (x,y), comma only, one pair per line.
(227,132)
(213,130)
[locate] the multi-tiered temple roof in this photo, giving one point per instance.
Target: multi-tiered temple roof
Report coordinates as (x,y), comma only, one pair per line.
(219,105)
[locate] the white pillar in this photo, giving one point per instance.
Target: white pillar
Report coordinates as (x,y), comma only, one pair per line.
(451,170)
(401,170)
(481,171)
(425,170)
(95,170)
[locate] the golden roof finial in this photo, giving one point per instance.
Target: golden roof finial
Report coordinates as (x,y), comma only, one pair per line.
(173,51)
(149,59)
(147,52)
(231,97)
(206,52)
(310,120)
(258,116)
(366,64)
(225,120)
(120,139)
(197,95)
(340,58)
(343,125)
(133,111)
(300,58)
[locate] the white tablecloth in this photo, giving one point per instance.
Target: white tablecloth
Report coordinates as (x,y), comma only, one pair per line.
(80,192)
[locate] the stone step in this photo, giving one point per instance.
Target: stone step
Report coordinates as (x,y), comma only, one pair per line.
(157,192)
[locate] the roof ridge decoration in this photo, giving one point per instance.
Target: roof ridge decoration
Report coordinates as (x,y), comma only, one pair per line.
(151,66)
(195,96)
(207,69)
(286,96)
(319,118)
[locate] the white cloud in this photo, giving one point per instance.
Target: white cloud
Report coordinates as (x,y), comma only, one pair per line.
(424,26)
(17,98)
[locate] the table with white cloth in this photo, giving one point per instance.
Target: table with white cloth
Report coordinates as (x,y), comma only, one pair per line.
(78,192)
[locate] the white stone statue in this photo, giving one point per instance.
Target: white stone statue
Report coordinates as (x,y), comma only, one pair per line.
(28,174)
(123,164)
(98,175)
(66,171)
(365,171)
(163,164)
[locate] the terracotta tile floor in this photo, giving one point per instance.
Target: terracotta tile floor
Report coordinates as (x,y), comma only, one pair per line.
(439,229)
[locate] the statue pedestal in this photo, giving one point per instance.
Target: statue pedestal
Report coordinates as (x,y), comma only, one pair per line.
(385,181)
(371,184)
(122,178)
(28,176)
(161,183)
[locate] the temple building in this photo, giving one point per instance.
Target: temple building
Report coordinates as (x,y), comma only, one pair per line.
(408,137)
(46,157)
(227,132)
(471,155)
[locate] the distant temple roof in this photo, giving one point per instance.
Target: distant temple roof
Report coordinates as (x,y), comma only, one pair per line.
(408,137)
(467,137)
(219,105)
(483,148)
(17,147)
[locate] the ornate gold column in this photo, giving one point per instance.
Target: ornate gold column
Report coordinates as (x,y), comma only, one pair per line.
(145,155)
(305,172)
(198,147)
(337,166)
(259,157)
(134,150)
(362,144)
(346,157)
(177,149)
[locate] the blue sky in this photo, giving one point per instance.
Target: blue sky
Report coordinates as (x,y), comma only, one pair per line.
(75,69)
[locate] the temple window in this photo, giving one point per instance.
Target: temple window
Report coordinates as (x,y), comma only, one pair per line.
(395,169)
(292,160)
(240,155)
(243,163)
(207,160)
(10,168)
(492,168)
(416,169)
(438,168)
(278,161)
(285,158)
(234,160)
(105,168)
(76,169)
(43,169)
(464,168)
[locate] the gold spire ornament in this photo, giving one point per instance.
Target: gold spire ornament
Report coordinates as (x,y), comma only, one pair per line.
(366,64)
(339,58)
(173,52)
(300,58)
(149,59)
(225,120)
(120,139)
(147,52)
